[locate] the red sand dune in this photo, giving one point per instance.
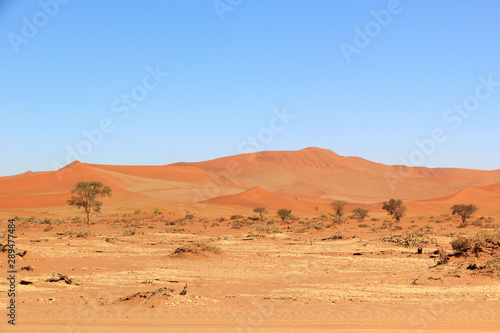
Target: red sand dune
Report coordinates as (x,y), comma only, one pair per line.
(258,197)
(486,198)
(314,176)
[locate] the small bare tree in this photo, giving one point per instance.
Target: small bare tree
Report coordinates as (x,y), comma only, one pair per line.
(338,208)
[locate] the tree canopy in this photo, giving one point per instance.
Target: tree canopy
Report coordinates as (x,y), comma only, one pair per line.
(395,208)
(464,211)
(85,196)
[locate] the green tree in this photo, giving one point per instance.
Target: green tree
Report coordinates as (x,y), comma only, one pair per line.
(464,211)
(360,213)
(261,211)
(338,208)
(395,208)
(85,196)
(284,214)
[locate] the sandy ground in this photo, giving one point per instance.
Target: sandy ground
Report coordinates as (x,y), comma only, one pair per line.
(280,282)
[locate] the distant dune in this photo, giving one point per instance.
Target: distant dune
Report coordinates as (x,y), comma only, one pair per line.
(300,180)
(258,197)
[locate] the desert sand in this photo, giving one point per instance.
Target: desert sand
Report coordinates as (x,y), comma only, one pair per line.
(191,227)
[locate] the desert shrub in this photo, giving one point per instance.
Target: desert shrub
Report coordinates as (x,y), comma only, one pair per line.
(300,230)
(397,227)
(48,228)
(463,224)
(363,225)
(222,219)
(237,217)
(127,215)
(111,240)
(237,224)
(411,238)
(387,224)
(492,266)
(189,216)
(324,216)
(77,218)
(284,214)
(265,228)
(477,223)
(318,226)
(215,224)
(375,219)
(83,234)
(198,247)
(442,257)
(461,244)
(253,218)
(338,235)
(421,217)
(360,213)
(173,230)
(138,211)
(479,242)
(129,232)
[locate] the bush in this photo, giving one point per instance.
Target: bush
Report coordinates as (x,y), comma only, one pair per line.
(442,257)
(360,213)
(363,225)
(267,229)
(197,247)
(237,217)
(129,232)
(284,214)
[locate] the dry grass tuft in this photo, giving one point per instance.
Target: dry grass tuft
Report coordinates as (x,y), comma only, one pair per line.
(197,247)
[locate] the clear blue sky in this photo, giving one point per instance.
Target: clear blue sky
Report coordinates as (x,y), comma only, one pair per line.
(66,70)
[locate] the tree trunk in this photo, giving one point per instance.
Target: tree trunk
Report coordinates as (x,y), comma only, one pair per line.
(88,219)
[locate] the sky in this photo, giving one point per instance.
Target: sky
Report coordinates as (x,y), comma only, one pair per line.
(157,82)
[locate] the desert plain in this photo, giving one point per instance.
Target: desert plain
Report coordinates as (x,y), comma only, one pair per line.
(179,248)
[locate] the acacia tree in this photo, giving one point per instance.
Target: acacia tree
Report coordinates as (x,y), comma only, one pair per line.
(85,196)
(360,213)
(464,211)
(395,208)
(284,214)
(339,208)
(261,211)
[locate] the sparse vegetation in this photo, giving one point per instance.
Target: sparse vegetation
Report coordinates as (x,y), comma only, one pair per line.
(338,207)
(197,247)
(463,211)
(261,211)
(395,208)
(85,196)
(360,213)
(284,214)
